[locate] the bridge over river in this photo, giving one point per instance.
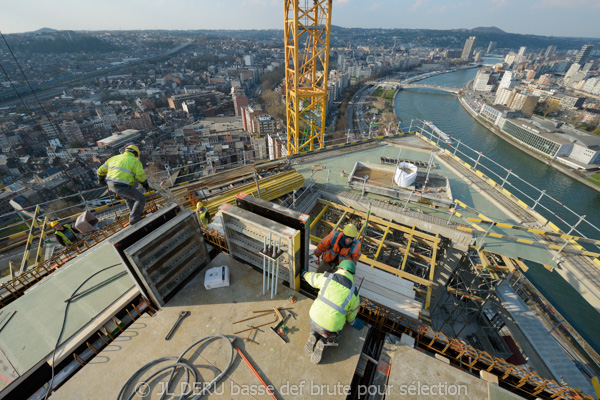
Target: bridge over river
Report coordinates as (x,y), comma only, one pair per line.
(404,85)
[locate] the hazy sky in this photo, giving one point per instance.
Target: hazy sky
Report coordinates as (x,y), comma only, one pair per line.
(540,17)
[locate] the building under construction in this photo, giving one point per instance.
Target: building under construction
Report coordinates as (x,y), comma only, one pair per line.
(140,311)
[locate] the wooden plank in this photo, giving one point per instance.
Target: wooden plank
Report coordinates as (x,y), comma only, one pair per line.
(508,262)
(483,258)
(522,265)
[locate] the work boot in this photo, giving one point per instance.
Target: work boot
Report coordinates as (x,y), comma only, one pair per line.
(316,356)
(309,347)
(135,221)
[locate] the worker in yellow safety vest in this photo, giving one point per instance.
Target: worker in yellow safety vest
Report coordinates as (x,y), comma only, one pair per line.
(336,304)
(203,215)
(65,234)
(121,173)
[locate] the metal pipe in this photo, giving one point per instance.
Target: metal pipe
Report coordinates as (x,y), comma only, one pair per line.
(272,277)
(277,269)
(264,271)
(111,203)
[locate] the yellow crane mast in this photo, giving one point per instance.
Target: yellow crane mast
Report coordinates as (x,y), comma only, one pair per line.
(307,31)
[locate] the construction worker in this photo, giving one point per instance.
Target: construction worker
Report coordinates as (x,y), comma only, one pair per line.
(65,234)
(336,304)
(337,247)
(203,215)
(121,174)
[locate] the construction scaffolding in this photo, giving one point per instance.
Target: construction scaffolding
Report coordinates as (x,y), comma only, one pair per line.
(517,379)
(465,309)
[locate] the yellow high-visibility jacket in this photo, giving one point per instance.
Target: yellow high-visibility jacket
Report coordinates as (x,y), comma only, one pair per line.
(337,302)
(123,169)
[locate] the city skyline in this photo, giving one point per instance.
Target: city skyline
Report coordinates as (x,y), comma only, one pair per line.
(569,18)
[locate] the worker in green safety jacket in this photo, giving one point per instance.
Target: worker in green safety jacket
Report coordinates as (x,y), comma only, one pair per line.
(65,234)
(336,304)
(121,173)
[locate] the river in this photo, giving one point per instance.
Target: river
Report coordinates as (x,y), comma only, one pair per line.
(445,111)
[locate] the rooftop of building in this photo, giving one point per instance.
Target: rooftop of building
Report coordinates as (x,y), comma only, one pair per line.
(215,311)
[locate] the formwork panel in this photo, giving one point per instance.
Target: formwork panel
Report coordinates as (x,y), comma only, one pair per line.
(167,257)
(285,216)
(246,232)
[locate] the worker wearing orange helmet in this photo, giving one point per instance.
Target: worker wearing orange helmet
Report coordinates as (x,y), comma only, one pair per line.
(121,173)
(337,247)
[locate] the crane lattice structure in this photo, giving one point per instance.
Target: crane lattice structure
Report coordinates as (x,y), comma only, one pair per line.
(307,30)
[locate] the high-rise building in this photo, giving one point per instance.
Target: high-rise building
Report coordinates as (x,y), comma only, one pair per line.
(249,60)
(239,100)
(550,51)
(484,81)
(506,81)
(491,47)
(467,53)
(584,53)
(521,54)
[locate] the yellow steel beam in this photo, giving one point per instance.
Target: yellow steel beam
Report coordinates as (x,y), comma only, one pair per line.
(396,271)
(407,251)
(39,258)
(387,230)
(383,222)
(318,217)
(431,276)
(29,240)
(337,225)
(596,386)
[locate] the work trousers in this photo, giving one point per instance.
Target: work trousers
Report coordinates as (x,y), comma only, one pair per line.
(322,334)
(134,199)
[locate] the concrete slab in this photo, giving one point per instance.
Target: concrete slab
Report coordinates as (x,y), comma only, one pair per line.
(415,375)
(282,365)
(498,393)
(31,334)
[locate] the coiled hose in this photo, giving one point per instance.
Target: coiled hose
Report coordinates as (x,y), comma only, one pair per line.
(179,363)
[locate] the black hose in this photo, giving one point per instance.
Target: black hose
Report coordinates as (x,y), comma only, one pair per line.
(179,363)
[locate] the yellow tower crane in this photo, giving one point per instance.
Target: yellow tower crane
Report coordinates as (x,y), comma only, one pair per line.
(307,31)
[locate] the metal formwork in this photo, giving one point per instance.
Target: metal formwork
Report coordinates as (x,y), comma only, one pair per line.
(285,216)
(246,233)
(169,255)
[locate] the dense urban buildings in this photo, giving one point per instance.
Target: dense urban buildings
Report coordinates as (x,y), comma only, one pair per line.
(211,101)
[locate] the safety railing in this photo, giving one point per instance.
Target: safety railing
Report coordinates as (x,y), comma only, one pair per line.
(15,288)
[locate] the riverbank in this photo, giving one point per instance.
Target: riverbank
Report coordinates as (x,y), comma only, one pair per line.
(495,130)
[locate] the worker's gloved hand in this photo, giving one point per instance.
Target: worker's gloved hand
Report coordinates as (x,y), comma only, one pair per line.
(145,185)
(101,180)
(358,324)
